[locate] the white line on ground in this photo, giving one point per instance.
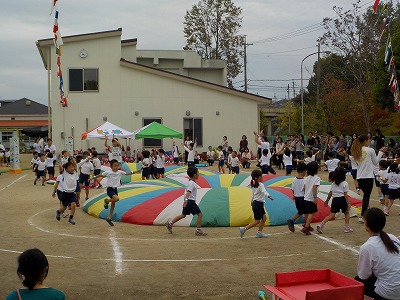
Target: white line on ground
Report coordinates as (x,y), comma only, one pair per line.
(12,182)
(394,204)
(117,252)
(333,242)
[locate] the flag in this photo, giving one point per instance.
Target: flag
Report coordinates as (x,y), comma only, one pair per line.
(391,64)
(58,39)
(388,51)
(393,87)
(385,24)
(392,77)
(53,4)
(375,6)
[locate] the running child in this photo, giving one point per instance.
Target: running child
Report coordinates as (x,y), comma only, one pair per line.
(189,203)
(392,178)
(221,160)
(69,183)
(235,163)
(288,161)
(298,195)
(331,164)
(113,182)
(50,165)
(34,160)
(257,204)
(354,173)
(340,200)
(310,156)
(265,162)
(58,187)
(311,185)
(40,169)
(86,167)
(97,169)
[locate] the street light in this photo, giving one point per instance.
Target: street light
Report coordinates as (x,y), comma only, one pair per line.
(302,89)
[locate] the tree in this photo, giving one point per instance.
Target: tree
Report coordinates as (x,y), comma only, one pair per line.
(211,29)
(353,36)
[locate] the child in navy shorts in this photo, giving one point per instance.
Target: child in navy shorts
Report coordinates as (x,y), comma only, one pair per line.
(340,202)
(311,186)
(257,204)
(189,203)
(298,195)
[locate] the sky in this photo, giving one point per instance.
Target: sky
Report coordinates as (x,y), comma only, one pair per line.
(158,24)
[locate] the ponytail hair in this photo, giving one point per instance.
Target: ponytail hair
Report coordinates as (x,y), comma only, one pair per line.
(376,221)
(356,147)
(32,267)
(254,178)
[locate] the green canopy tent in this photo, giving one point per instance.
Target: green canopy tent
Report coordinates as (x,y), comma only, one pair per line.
(156,131)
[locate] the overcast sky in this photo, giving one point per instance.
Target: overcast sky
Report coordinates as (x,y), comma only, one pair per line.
(158,24)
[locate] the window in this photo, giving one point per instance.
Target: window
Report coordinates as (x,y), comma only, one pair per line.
(152,142)
(5,137)
(193,127)
(81,80)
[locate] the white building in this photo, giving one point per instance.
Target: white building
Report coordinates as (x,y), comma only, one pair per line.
(106,78)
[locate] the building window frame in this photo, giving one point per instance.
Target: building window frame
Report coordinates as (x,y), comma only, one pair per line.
(194,129)
(152,143)
(84,87)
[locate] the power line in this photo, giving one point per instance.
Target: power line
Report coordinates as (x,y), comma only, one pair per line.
(287,51)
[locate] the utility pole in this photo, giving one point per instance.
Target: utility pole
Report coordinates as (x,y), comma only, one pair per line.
(245,63)
(294,92)
(318,71)
(290,107)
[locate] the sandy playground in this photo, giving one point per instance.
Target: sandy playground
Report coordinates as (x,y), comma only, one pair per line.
(94,261)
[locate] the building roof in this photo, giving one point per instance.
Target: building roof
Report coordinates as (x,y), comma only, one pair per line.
(23,106)
(202,83)
(23,123)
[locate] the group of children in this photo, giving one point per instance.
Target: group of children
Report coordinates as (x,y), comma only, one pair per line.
(5,156)
(43,165)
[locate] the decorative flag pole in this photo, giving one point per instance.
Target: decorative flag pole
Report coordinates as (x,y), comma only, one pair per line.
(58,42)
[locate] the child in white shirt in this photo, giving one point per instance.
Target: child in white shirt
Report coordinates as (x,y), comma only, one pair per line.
(40,169)
(191,152)
(331,164)
(311,185)
(298,195)
(87,168)
(235,163)
(221,160)
(288,161)
(160,163)
(392,178)
(384,186)
(97,169)
(210,156)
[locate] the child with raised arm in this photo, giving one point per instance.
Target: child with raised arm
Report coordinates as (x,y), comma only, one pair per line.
(115,149)
(298,195)
(331,164)
(189,203)
(113,182)
(160,163)
(288,161)
(311,185)
(191,151)
(40,169)
(340,202)
(97,169)
(257,204)
(69,183)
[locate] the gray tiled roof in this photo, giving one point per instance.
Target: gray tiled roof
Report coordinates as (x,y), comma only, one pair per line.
(23,106)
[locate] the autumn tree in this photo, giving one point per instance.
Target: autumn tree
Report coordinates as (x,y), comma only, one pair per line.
(353,36)
(211,28)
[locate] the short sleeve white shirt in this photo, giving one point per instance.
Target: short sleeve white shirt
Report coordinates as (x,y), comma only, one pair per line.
(287,160)
(116,153)
(265,160)
(41,165)
(309,183)
(191,187)
(60,183)
(70,181)
(50,161)
(235,161)
(175,151)
(221,155)
(339,190)
(259,193)
(96,163)
(393,179)
(210,154)
(87,168)
(146,162)
(332,164)
(113,178)
(160,160)
(375,259)
(298,187)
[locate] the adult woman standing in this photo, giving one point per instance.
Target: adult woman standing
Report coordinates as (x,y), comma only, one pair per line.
(366,160)
(379,260)
(243,144)
(279,149)
(37,147)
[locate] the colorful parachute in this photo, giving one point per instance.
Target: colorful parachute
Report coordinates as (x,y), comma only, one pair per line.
(223,199)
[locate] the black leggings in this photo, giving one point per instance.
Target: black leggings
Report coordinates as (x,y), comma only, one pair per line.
(369,287)
(366,185)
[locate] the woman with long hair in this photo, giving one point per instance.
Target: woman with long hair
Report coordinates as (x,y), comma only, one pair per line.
(379,260)
(366,160)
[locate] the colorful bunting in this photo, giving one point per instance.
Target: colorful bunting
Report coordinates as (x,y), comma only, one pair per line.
(58,42)
(388,51)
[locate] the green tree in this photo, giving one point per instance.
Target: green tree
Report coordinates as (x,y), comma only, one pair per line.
(211,28)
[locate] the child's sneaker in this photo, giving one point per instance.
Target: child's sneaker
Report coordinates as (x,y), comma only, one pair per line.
(169,226)
(199,232)
(319,228)
(78,204)
(290,224)
(99,186)
(242,231)
(261,235)
(305,231)
(106,203)
(34,183)
(309,227)
(109,221)
(361,220)
(64,214)
(71,221)
(87,198)
(58,214)
(347,229)
(42,184)
(358,190)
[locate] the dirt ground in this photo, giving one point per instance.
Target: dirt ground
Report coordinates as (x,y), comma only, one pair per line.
(94,261)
